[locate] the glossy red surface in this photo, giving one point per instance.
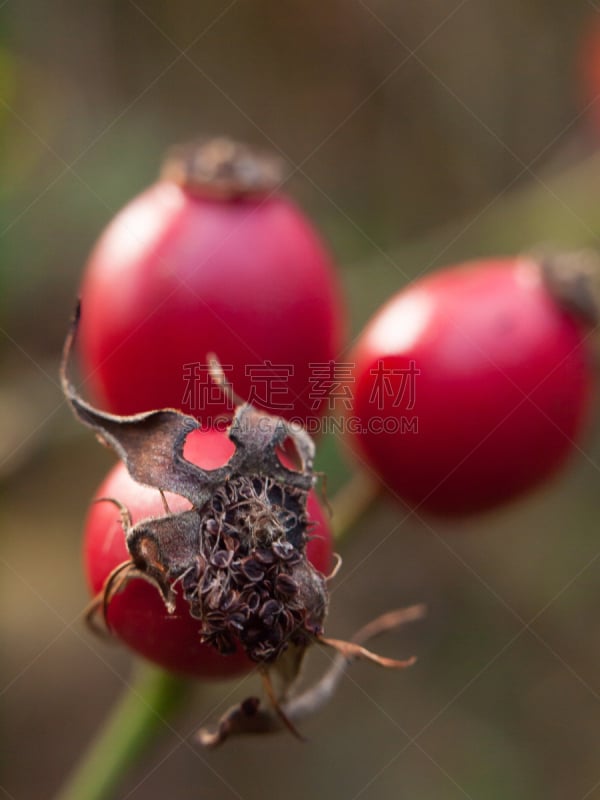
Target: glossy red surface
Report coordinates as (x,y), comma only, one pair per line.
(501,386)
(175,277)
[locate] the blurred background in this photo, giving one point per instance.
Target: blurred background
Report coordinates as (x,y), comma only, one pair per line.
(417,134)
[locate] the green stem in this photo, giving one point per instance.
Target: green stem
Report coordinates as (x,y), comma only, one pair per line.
(132,725)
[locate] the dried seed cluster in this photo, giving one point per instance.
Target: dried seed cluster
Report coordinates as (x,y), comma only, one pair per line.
(251,582)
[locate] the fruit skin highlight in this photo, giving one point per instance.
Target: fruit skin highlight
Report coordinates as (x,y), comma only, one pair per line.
(137,614)
(501,383)
(185,270)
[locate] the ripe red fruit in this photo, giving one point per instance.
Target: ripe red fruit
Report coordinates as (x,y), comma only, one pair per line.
(204,263)
(480,378)
(137,614)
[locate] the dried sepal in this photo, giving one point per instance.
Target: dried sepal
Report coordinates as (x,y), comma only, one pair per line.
(150,444)
(222,168)
(350,650)
(250,717)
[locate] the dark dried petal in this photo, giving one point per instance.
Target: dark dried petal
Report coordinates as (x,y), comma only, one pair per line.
(276,494)
(269,612)
(214,598)
(215,618)
(221,559)
(284,550)
(223,642)
(231,543)
(268,650)
(264,555)
(263,652)
(237,619)
(252,570)
(275,636)
(266,590)
(252,602)
(288,621)
(230,599)
(295,558)
(286,585)
(253,634)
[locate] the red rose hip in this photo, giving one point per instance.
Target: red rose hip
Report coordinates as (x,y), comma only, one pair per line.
(472,386)
(210,259)
(137,614)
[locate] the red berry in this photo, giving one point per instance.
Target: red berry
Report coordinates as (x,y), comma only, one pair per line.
(485,380)
(180,273)
(137,614)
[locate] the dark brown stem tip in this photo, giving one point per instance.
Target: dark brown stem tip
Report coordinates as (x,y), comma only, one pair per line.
(573,279)
(222,168)
(246,718)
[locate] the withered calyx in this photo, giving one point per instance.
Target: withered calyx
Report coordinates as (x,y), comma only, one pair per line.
(238,555)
